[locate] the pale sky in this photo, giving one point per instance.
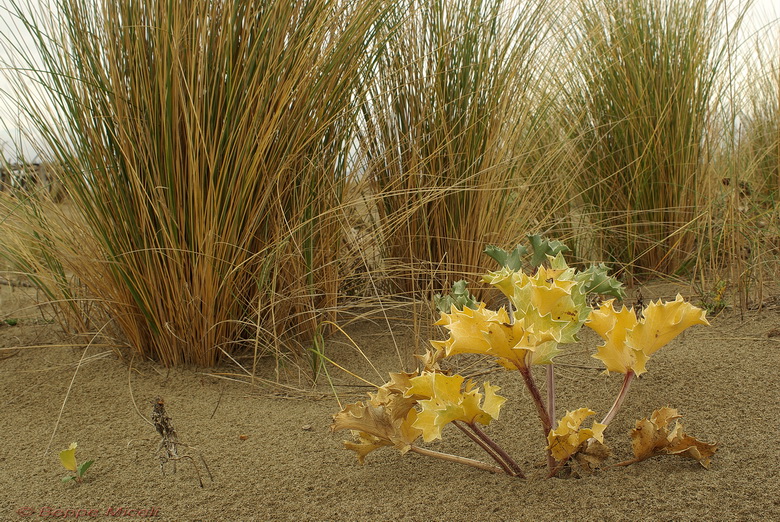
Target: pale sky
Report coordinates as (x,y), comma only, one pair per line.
(763,19)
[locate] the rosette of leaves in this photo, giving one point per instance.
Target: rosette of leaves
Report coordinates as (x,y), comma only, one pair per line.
(550,304)
(595,279)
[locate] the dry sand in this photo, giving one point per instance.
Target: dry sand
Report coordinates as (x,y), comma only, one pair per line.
(272,457)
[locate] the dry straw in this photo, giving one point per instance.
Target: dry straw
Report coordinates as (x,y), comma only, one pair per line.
(205,152)
(238,172)
(643,91)
(457,136)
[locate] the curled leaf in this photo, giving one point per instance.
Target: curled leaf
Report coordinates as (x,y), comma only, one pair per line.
(68,457)
(385,419)
(631,341)
(568,438)
(484,331)
(596,280)
(430,360)
(653,436)
(591,455)
(504,279)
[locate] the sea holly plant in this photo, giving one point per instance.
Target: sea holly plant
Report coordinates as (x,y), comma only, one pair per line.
(68,460)
(547,305)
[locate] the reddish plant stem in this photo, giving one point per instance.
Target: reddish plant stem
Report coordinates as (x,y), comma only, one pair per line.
(541,409)
(455,458)
(551,391)
(620,398)
(485,446)
(516,470)
(556,468)
(551,464)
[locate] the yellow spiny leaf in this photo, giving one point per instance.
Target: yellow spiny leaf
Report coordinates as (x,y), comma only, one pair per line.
(664,322)
(566,439)
(68,457)
(447,403)
(630,342)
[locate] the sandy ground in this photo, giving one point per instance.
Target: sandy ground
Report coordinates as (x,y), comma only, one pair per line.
(271,455)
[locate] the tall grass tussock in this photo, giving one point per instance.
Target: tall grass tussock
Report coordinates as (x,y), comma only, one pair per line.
(205,151)
(643,90)
(457,135)
(231,169)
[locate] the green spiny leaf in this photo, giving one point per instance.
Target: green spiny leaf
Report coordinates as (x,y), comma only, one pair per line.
(543,247)
(597,281)
(458,296)
(511,260)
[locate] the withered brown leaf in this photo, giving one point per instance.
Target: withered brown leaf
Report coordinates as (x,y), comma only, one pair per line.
(384,420)
(591,455)
(653,436)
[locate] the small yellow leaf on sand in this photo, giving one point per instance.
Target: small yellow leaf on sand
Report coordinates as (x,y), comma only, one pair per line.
(68,457)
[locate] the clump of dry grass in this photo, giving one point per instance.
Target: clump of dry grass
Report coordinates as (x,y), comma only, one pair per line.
(643,91)
(234,170)
(205,148)
(457,136)
(760,125)
(746,238)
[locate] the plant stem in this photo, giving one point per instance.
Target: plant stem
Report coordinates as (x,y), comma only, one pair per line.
(456,458)
(556,468)
(541,409)
(551,410)
(516,470)
(485,446)
(620,398)
(551,391)
(627,462)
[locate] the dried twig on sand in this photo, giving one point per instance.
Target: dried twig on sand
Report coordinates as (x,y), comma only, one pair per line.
(168,450)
